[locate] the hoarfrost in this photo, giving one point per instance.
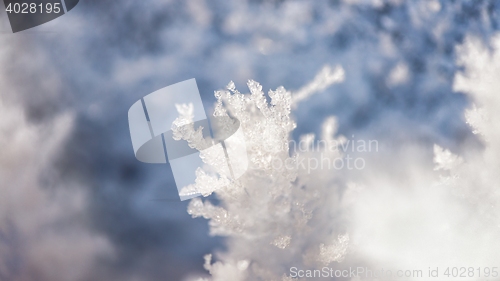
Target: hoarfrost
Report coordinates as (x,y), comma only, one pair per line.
(278,217)
(335,252)
(326,77)
(270,204)
(282,241)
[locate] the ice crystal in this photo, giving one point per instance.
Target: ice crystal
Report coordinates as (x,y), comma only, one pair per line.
(282,241)
(476,180)
(326,77)
(335,251)
(235,270)
(183,127)
(477,118)
(444,159)
(272,215)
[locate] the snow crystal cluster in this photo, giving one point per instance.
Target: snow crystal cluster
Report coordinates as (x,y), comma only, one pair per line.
(267,214)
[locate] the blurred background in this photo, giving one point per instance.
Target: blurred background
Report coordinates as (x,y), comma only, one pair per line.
(75,204)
